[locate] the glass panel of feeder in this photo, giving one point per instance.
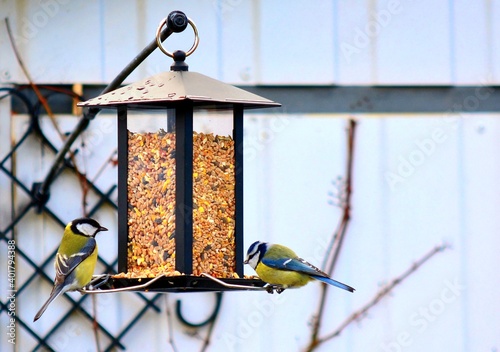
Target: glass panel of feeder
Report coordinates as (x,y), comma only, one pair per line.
(213,194)
(151,194)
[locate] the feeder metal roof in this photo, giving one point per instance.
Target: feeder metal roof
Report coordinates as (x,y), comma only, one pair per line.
(174,88)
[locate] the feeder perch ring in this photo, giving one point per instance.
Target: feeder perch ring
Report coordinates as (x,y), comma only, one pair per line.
(164,22)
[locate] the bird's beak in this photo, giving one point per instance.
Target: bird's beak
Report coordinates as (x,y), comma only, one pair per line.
(102,228)
(246,261)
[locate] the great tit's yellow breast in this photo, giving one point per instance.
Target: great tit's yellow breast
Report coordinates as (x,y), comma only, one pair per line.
(85,270)
(281,277)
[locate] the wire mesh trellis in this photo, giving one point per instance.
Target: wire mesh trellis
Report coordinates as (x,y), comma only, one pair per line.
(39,269)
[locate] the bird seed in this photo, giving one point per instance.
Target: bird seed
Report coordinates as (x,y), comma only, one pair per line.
(151,205)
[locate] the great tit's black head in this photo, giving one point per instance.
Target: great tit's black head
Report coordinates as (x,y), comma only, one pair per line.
(255,253)
(86,227)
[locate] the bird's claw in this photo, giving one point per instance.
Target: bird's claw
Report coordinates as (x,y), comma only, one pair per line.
(104,278)
(271,288)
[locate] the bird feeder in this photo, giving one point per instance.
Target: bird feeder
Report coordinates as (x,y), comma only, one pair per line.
(180,178)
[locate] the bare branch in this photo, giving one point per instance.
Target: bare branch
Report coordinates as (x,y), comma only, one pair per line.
(335,246)
(359,314)
(206,341)
(170,325)
(30,81)
(95,324)
(46,106)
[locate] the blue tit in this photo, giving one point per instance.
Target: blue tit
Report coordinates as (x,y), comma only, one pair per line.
(75,259)
(279,265)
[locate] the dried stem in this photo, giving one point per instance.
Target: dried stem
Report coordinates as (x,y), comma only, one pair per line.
(212,321)
(170,325)
(384,291)
(346,209)
(110,160)
(95,325)
(206,342)
(83,180)
(338,237)
(30,81)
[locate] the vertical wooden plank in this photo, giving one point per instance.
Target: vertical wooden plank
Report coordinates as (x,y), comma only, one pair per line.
(122,36)
(367,234)
(481,197)
(71,31)
(5,203)
(9,68)
(295,47)
(423,211)
(414,42)
(472,41)
(237,27)
(5,147)
(354,63)
(494,34)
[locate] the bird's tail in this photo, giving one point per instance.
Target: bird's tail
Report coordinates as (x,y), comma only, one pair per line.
(334,283)
(56,291)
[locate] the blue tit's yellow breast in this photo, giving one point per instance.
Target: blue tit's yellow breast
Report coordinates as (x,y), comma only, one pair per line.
(281,277)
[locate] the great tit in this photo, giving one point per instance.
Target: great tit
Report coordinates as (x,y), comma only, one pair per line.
(75,259)
(279,265)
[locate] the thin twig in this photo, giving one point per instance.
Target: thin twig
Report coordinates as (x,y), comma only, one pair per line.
(359,314)
(213,319)
(48,110)
(109,161)
(207,339)
(338,237)
(170,325)
(346,216)
(30,81)
(95,325)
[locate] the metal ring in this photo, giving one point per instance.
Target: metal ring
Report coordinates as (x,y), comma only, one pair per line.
(168,53)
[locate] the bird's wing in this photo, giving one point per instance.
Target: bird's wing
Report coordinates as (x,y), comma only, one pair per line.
(66,264)
(302,266)
(333,282)
(293,264)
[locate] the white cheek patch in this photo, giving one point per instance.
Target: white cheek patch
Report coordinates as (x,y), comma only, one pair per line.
(254,261)
(86,229)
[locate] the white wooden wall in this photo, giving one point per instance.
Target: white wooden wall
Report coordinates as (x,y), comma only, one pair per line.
(445,166)
(262,42)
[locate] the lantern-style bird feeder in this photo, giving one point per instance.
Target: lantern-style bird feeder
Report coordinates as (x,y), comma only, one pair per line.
(180,179)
